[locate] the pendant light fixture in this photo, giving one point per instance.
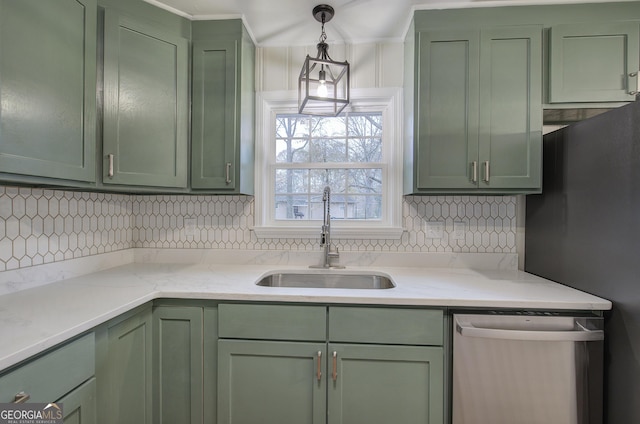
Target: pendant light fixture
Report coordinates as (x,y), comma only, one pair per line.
(323,85)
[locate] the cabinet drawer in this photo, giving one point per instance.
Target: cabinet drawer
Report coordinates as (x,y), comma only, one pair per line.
(49,377)
(272,322)
(386,325)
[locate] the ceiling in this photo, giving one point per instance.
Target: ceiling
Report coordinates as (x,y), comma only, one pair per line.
(290,22)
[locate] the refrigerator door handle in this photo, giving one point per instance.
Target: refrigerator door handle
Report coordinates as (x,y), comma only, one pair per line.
(581,334)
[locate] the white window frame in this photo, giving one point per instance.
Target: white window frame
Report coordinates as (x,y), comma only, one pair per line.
(269,105)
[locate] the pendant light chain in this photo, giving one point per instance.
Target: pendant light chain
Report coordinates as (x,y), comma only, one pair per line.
(323,47)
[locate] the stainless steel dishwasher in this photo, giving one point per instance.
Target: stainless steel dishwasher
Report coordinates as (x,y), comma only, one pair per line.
(527,368)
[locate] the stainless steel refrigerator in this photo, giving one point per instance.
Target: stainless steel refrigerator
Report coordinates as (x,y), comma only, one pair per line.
(584,231)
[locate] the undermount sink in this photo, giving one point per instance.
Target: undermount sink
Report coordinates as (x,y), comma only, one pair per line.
(327,280)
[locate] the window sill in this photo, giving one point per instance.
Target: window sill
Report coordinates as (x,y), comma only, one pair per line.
(312,232)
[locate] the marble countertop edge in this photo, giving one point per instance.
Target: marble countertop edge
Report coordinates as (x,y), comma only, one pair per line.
(39,318)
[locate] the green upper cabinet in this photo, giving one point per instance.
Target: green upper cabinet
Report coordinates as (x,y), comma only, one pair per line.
(447,113)
(476,124)
(594,62)
(47,90)
(146,108)
(223,102)
(510,135)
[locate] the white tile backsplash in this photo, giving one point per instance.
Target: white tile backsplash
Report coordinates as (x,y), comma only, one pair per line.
(40,226)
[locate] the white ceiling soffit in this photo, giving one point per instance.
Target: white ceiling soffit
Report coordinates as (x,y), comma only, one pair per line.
(291,23)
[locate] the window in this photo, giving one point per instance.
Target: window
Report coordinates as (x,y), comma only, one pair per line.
(344,153)
(356,154)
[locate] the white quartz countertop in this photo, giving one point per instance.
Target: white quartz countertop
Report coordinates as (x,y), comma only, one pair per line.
(36,319)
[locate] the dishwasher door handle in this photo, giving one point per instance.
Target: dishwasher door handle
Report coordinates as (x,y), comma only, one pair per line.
(581,334)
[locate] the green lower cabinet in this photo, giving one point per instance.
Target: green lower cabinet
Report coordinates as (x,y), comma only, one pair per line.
(385,384)
(297,383)
(79,406)
(124,372)
(178,362)
(271,382)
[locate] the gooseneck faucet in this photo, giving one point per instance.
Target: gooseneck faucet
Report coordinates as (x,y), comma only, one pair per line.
(325,236)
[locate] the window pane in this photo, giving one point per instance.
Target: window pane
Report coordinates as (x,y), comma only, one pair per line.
(365,125)
(365,150)
(331,127)
(365,181)
(369,207)
(292,207)
(288,126)
(334,178)
(292,150)
(328,150)
(292,180)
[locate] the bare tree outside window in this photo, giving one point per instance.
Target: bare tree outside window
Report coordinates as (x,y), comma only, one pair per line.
(344,153)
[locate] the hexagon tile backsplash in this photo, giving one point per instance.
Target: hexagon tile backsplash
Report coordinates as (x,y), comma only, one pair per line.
(42,226)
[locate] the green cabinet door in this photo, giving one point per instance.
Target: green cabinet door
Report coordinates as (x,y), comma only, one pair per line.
(79,406)
(385,384)
(446,119)
(47,89)
(146,109)
(126,373)
(271,382)
(223,103)
(213,150)
(594,62)
(178,364)
(510,135)
(478,111)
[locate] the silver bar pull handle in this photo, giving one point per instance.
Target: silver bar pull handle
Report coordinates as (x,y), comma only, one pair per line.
(21,397)
(334,374)
(110,172)
(228,169)
(474,171)
(319,369)
(486,171)
(580,334)
(634,92)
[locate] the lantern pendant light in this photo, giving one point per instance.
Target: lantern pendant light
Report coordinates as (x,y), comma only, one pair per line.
(323,85)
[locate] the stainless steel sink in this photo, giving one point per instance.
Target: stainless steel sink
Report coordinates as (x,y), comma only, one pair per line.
(327,280)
